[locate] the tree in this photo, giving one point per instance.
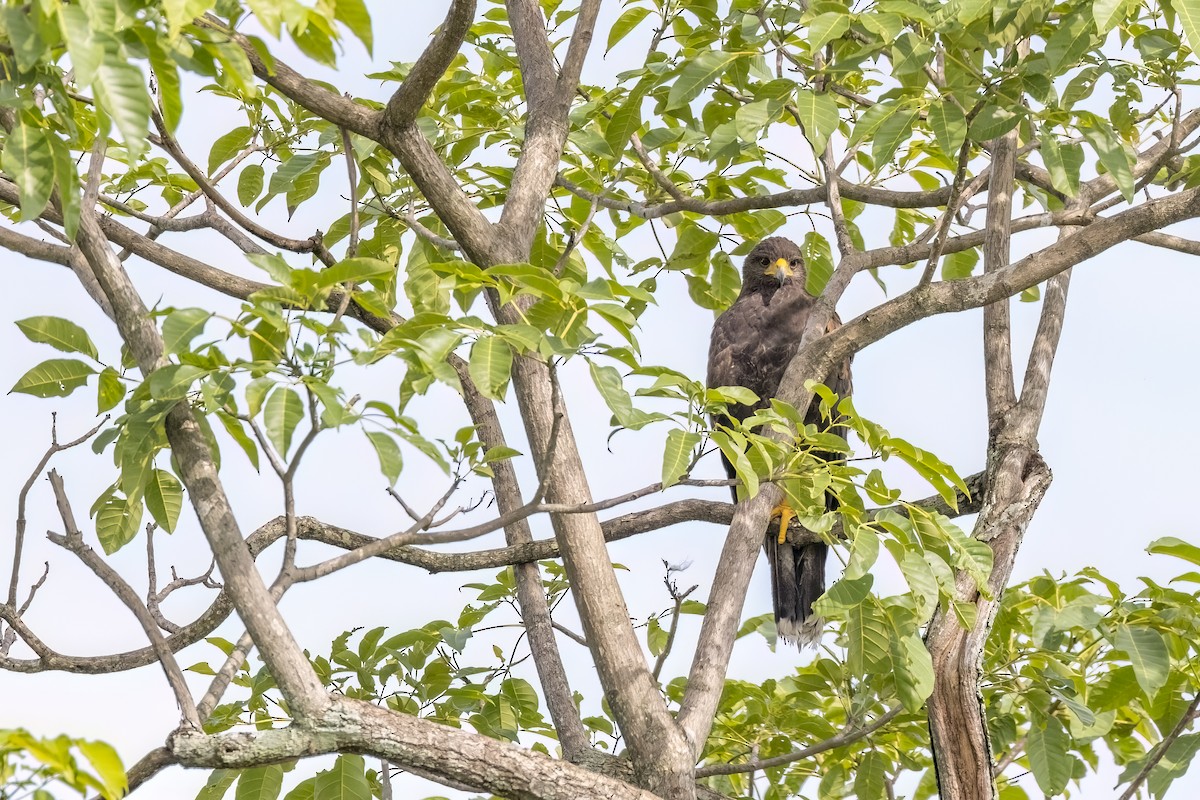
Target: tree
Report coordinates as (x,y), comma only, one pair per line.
(508,225)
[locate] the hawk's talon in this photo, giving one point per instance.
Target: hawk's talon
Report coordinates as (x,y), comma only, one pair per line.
(786,515)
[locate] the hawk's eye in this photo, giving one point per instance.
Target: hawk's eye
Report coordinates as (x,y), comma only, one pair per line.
(795,262)
(764,260)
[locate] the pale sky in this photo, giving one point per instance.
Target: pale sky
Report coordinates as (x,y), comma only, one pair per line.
(1120,435)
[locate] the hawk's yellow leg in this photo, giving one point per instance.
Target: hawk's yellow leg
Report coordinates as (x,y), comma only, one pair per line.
(786,515)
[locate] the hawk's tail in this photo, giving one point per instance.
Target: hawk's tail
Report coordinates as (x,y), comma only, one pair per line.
(797,580)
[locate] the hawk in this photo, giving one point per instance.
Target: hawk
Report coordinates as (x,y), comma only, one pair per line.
(752,343)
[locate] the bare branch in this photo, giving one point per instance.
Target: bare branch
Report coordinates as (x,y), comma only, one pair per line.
(1170,242)
(23,496)
(615,529)
(677,597)
(405,103)
(997,334)
(1185,722)
(535,611)
(548,94)
(439,752)
(793,197)
(73,542)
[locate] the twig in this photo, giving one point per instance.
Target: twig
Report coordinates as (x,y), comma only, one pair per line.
(19,542)
(73,541)
(220,682)
(848,736)
(10,635)
(678,599)
(312,244)
(570,634)
(1189,716)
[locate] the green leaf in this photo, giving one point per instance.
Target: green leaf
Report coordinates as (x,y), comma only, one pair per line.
(250,184)
(949,126)
(1072,37)
(624,25)
(912,670)
(304,790)
(733,447)
(66,176)
(354,15)
(29,160)
(346,781)
(164,499)
(1063,162)
(818,263)
(490,365)
(110,391)
(957,266)
(174,381)
(819,114)
(166,78)
(121,93)
(911,53)
(1171,546)
(612,389)
(844,595)
(218,783)
(108,767)
(1148,655)
(1188,12)
(1105,12)
(227,146)
(827,27)
(61,334)
(993,121)
(868,639)
(678,455)
(117,523)
(23,37)
(256,393)
(233,426)
(1049,760)
(57,377)
(1099,134)
(892,131)
(697,74)
(183,325)
(282,413)
(751,118)
(871,778)
(355,270)
(260,783)
(85,49)
(625,120)
(725,281)
(390,460)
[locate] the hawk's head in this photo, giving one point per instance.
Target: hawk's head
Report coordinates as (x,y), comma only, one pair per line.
(772,263)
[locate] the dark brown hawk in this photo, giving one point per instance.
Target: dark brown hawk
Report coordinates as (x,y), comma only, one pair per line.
(752,343)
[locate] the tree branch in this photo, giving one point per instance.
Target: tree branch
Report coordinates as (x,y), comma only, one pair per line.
(997,334)
(294,674)
(1189,716)
(548,95)
(73,542)
(850,735)
(439,752)
(406,102)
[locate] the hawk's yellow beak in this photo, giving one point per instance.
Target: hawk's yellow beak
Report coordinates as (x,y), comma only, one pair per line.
(781,269)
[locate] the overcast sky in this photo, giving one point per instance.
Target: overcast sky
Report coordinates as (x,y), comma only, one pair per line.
(1120,435)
